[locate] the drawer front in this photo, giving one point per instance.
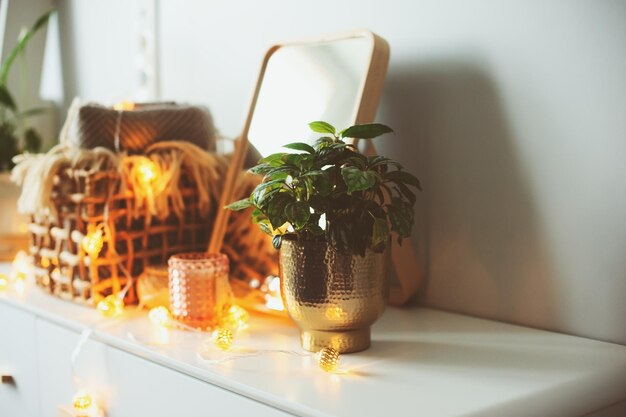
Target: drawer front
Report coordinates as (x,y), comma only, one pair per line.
(57,386)
(143,388)
(18,359)
(127,385)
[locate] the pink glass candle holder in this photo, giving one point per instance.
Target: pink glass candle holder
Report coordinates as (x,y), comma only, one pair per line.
(198,288)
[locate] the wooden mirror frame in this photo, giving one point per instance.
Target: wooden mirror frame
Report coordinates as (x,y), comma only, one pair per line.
(403,257)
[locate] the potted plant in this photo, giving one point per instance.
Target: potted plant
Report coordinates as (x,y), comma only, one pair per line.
(16,137)
(332,212)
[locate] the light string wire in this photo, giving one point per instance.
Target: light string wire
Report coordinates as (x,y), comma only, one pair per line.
(258,352)
(84,336)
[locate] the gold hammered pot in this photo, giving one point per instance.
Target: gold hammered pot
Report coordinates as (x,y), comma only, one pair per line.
(333,297)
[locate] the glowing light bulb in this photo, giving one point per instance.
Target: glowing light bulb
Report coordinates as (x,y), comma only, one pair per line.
(274,285)
(92,242)
(56,273)
(83,404)
(111,306)
(146,171)
(236,319)
(160,316)
(124,105)
(4,282)
(23,228)
(273,300)
(223,339)
(329,359)
(82,400)
(19,282)
(274,303)
(21,263)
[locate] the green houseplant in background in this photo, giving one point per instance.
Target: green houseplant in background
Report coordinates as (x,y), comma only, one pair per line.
(15,136)
(331,212)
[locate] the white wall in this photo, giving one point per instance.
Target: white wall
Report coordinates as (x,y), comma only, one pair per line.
(512,113)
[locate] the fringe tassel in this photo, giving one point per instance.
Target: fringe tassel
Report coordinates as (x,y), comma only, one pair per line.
(161,197)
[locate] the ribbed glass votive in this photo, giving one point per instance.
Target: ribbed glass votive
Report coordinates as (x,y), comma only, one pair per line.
(199,288)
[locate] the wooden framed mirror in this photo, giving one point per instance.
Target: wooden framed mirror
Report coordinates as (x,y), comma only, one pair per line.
(336,78)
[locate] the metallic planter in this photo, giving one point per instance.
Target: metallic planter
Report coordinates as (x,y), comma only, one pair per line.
(334,298)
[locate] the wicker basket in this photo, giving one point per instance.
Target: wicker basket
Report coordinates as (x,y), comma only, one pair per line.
(62,267)
(83,200)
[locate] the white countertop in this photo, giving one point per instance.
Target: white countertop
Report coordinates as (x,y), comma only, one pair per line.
(422,362)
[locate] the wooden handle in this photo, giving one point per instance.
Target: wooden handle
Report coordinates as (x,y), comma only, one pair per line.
(7,379)
(230,183)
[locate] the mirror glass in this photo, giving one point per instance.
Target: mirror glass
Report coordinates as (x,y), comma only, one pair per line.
(308,82)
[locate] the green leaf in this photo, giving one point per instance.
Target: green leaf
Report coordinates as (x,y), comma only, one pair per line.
(300,146)
(258,216)
(274,160)
(6,98)
(377,160)
(8,146)
(261,169)
(270,184)
(265,227)
(324,141)
(315,229)
(403,190)
(280,173)
(295,159)
(32,140)
(35,111)
(260,196)
(328,156)
(298,213)
(277,241)
(240,205)
(276,208)
(358,180)
(322,127)
(323,184)
(401,217)
(358,161)
(42,20)
(366,131)
(380,232)
(21,44)
(403,177)
(338,145)
(314,173)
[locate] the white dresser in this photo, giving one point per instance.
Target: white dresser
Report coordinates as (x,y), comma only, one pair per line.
(422,362)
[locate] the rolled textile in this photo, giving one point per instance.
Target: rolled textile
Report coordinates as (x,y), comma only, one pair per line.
(136,127)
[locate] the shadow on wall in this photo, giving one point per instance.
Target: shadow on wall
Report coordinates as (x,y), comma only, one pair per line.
(477,235)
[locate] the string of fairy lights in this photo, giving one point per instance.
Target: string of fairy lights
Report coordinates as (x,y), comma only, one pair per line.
(233,321)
